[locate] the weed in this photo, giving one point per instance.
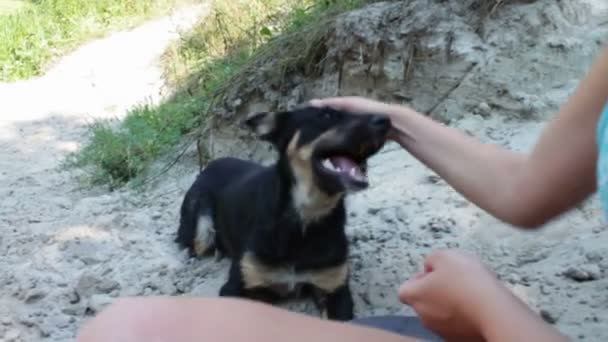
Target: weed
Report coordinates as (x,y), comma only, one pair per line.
(119,151)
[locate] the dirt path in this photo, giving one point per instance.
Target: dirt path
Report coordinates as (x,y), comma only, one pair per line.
(42,211)
(65,252)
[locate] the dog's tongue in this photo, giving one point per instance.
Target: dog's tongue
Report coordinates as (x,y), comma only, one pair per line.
(347,166)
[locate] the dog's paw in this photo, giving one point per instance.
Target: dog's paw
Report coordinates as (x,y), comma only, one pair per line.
(200,248)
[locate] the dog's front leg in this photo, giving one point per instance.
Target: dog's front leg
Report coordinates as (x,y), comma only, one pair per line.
(234,286)
(339,304)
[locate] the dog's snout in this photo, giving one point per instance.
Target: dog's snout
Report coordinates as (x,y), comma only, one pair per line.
(380,123)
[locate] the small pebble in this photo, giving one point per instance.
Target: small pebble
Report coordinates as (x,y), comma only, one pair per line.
(433,179)
(108,286)
(73,310)
(580,274)
(34,296)
(544,290)
(74,297)
(98,302)
(27,320)
(547,316)
(514,279)
(59,321)
(45,331)
(484,108)
(373,211)
(532,258)
(594,257)
(453,245)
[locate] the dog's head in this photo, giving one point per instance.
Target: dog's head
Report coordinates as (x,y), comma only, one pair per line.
(325,148)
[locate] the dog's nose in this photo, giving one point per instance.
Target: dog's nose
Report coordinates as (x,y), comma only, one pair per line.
(380,122)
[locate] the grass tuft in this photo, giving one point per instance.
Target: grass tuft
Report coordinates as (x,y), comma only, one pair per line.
(121,150)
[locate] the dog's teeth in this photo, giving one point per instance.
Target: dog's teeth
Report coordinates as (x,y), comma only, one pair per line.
(353,173)
(328,165)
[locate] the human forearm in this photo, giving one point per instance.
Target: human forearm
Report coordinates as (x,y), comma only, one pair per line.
(506,318)
(483,173)
(525,190)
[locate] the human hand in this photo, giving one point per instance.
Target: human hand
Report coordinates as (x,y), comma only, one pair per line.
(354,104)
(451,295)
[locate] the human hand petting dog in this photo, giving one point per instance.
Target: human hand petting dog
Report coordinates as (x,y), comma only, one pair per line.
(355,104)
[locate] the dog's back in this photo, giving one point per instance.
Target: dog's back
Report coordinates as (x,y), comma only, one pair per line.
(198,205)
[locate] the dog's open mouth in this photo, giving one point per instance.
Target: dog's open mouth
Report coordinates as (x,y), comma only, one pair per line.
(347,167)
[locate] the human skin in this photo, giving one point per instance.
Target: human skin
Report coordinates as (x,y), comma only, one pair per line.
(194,319)
(474,306)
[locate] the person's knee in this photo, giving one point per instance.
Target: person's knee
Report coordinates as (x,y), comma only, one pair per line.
(117,317)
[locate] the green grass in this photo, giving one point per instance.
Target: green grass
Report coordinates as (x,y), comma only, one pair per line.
(33,33)
(237,36)
(120,151)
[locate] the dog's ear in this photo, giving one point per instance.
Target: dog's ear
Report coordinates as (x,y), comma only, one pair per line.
(264,124)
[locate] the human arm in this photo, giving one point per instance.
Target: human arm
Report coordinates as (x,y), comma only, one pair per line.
(193,319)
(475,306)
(525,190)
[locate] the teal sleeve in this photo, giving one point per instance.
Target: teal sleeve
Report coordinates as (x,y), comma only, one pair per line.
(602,160)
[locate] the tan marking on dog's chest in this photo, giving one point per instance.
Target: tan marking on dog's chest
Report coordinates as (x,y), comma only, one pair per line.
(310,202)
(257,274)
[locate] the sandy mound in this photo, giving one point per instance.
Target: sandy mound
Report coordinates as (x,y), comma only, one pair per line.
(65,252)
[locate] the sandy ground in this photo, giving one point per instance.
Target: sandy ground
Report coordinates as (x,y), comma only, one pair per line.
(52,232)
(66,252)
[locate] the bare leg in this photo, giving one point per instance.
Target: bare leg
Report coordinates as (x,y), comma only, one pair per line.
(182,319)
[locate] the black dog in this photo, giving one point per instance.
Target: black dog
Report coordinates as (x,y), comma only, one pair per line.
(283,225)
